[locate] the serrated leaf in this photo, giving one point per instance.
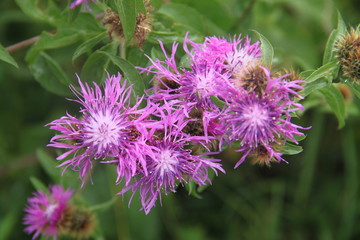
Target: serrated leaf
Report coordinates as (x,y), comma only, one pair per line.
(341,26)
(184,15)
(5,56)
(336,102)
(267,50)
(130,73)
(127,13)
(38,185)
(50,75)
(291,149)
(49,165)
(330,45)
(94,69)
(323,71)
(88,45)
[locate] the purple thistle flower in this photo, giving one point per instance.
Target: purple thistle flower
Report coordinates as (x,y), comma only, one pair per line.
(172,162)
(108,128)
(79,2)
(225,56)
(262,121)
(45,211)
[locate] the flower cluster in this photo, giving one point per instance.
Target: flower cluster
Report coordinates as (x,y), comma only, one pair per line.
(226,97)
(149,146)
(257,106)
(52,214)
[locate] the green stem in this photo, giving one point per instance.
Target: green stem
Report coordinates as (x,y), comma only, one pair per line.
(122,49)
(310,155)
(351,184)
(121,225)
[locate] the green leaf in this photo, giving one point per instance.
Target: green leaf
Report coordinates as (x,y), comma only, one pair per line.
(330,45)
(139,6)
(5,56)
(267,50)
(127,13)
(33,10)
(7,223)
(323,71)
(94,69)
(130,72)
(52,41)
(185,61)
(49,74)
(88,45)
(335,35)
(184,15)
(157,54)
(314,85)
(355,88)
(336,102)
(291,149)
(220,104)
(211,175)
(49,165)
(192,189)
(341,26)
(38,185)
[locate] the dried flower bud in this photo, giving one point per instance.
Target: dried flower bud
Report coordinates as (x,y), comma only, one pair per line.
(113,24)
(348,53)
(81,223)
(253,79)
(142,27)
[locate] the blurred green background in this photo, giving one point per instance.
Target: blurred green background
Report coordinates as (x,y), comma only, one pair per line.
(315,196)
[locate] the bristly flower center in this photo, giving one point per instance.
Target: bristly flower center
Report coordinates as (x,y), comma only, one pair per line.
(103,130)
(167,162)
(50,210)
(255,116)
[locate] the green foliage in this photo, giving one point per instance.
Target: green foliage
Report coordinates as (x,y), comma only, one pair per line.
(129,72)
(127,12)
(336,102)
(267,51)
(5,56)
(49,74)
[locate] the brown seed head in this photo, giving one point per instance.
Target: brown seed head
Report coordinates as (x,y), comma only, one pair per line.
(251,79)
(348,53)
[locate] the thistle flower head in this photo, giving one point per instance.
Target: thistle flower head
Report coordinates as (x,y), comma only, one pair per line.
(45,211)
(107,128)
(171,162)
(225,56)
(348,53)
(261,121)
